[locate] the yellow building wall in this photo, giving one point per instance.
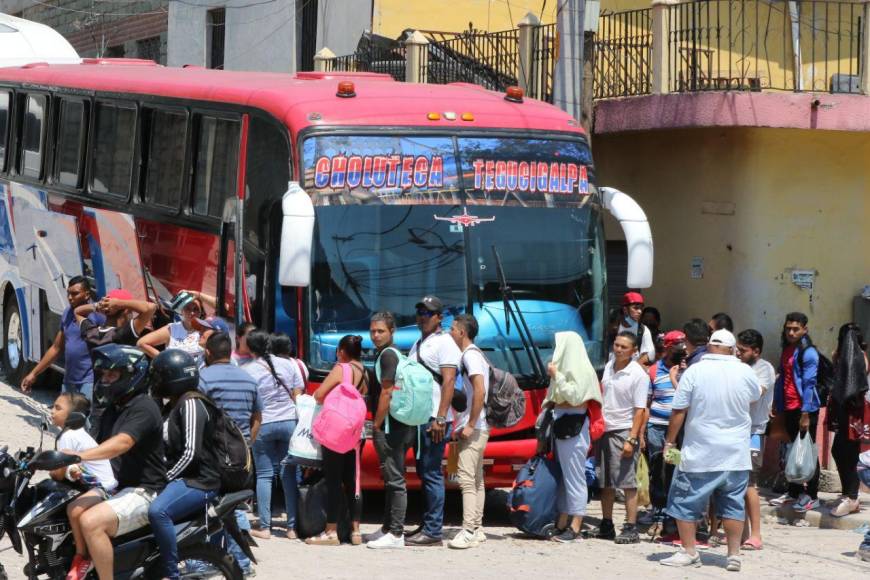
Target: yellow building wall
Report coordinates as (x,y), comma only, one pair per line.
(800,200)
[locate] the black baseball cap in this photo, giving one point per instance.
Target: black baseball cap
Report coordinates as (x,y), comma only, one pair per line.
(430,303)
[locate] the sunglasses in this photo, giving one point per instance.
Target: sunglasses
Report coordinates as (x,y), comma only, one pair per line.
(427,313)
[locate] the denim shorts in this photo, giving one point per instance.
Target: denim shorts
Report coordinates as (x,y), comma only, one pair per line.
(691,492)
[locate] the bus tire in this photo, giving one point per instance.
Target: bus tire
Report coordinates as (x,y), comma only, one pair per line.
(14,366)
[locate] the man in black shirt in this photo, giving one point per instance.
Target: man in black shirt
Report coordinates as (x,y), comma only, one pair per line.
(121,326)
(135,448)
(392,446)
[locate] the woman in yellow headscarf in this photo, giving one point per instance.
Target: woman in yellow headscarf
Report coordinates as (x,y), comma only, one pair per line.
(574,390)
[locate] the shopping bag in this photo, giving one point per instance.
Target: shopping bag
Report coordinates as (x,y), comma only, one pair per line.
(304,448)
(642,476)
(800,464)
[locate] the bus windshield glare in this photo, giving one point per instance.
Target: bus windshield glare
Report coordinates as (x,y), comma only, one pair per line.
(400,217)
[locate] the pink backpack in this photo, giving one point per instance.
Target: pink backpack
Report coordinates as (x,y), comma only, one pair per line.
(339,425)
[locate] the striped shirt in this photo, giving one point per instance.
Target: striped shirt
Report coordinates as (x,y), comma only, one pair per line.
(233,390)
(662,392)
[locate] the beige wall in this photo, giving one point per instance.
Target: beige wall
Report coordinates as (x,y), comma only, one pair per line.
(801,199)
(391,17)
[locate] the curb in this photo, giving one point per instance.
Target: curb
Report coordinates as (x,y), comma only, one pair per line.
(819,519)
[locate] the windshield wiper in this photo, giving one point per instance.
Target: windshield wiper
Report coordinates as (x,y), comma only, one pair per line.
(512,310)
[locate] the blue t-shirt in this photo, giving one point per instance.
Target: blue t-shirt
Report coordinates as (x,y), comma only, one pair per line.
(662,395)
(77,363)
(233,390)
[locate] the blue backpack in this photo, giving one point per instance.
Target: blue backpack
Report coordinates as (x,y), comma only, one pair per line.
(412,396)
(532,501)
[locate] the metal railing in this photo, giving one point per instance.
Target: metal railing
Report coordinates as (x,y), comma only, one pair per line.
(371,58)
(622,61)
(753,45)
(488,59)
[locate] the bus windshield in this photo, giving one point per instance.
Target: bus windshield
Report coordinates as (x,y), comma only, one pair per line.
(401,217)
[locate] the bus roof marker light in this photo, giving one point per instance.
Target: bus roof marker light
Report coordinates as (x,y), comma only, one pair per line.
(467,117)
(346,90)
(434,116)
(450,115)
(514,95)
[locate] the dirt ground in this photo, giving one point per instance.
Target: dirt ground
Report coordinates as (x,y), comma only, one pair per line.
(790,552)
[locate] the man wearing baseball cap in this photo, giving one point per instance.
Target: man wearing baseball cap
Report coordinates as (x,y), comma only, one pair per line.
(437,351)
(713,400)
(632,308)
(663,381)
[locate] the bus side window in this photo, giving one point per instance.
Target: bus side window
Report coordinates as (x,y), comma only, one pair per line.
(70,143)
(215,167)
(33,137)
(167,145)
(4,127)
(114,137)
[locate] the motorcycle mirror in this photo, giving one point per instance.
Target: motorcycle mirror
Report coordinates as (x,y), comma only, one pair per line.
(75,420)
(48,460)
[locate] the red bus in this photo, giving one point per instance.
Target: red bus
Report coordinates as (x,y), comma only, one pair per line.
(337,195)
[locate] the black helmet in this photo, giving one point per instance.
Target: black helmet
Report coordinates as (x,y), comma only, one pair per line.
(173,373)
(134,370)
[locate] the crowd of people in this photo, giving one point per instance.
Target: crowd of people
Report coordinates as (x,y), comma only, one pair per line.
(697,403)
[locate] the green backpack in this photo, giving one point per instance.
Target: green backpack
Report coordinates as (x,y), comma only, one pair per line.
(412,396)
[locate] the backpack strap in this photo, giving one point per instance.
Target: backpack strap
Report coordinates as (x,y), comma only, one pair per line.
(346,374)
(302,373)
(437,376)
(378,360)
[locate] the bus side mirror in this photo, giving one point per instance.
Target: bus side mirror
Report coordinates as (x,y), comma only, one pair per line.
(297,231)
(638,236)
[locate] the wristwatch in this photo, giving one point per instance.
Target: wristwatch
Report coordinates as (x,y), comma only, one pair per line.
(633,441)
(441,420)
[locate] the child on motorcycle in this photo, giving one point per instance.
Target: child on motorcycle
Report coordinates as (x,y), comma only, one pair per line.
(98,473)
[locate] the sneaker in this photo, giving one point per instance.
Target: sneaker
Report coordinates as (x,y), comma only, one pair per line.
(479,535)
(863,552)
(423,540)
(463,540)
(845,507)
(387,542)
(376,535)
(783,500)
(80,568)
(605,531)
(565,536)
(733,564)
(249,573)
(805,503)
(628,535)
(682,559)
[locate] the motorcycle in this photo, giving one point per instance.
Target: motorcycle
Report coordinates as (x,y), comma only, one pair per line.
(34,518)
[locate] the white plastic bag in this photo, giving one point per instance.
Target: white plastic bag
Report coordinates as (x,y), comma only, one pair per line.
(800,465)
(304,448)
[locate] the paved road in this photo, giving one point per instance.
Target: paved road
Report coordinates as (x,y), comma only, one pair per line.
(790,552)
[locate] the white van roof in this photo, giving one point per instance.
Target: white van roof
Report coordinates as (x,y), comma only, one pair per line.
(23,42)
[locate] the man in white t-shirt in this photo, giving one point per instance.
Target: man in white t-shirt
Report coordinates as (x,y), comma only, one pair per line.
(471,431)
(437,351)
(626,386)
(632,308)
(713,400)
(749,346)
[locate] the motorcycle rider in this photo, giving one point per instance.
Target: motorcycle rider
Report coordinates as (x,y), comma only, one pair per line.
(194,479)
(136,445)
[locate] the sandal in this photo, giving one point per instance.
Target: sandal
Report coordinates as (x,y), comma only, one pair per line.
(355,538)
(752,545)
(717,540)
(323,539)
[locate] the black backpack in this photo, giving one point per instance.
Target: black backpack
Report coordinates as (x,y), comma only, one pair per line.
(506,403)
(824,375)
(236,465)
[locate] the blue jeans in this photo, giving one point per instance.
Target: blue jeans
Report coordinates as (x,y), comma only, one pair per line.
(87,389)
(431,474)
(270,448)
(176,501)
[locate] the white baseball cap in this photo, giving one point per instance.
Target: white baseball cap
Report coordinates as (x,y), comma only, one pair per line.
(723,337)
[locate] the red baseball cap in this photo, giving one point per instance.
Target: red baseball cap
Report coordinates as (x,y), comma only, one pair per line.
(119,294)
(632,298)
(673,337)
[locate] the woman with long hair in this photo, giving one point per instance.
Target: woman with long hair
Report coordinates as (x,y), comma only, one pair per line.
(849,413)
(339,469)
(278,384)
